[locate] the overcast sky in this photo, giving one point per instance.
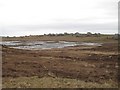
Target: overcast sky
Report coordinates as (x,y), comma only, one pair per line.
(34,17)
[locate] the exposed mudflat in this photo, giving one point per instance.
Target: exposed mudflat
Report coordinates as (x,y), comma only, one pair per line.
(87,63)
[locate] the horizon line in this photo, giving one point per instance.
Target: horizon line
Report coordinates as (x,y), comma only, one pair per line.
(55,34)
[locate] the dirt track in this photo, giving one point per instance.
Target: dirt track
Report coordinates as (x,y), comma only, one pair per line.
(91,64)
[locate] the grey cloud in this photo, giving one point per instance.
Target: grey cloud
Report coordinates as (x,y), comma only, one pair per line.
(50,28)
(96,26)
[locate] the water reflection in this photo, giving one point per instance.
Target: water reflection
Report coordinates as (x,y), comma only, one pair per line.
(36,45)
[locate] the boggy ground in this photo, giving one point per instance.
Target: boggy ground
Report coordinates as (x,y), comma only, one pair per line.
(85,63)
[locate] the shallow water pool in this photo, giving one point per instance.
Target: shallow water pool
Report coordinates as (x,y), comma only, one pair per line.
(37,45)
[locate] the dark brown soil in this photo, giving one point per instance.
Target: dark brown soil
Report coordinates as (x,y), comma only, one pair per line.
(91,64)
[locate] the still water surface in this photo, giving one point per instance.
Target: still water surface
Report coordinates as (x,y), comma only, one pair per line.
(36,45)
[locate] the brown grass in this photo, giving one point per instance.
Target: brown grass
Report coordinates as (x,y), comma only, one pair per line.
(71,67)
(103,38)
(49,82)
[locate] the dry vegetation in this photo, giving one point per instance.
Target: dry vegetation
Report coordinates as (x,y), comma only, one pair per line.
(102,38)
(79,66)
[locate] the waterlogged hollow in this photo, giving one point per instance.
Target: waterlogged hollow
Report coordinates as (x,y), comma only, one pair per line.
(36,45)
